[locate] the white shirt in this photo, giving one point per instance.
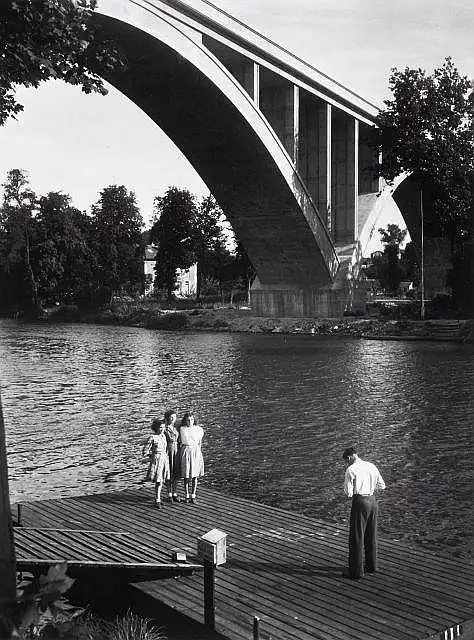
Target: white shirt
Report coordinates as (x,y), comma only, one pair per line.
(191,436)
(362,478)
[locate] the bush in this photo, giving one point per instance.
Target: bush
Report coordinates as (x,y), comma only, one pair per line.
(441,306)
(168,322)
(127,627)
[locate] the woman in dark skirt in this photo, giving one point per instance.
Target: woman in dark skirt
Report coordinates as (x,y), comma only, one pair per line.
(172,438)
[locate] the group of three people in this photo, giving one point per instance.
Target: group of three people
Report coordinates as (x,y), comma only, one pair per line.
(174,452)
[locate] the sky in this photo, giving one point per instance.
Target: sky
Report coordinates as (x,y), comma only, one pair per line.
(78,144)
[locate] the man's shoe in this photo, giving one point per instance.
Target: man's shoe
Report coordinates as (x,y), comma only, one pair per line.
(346,574)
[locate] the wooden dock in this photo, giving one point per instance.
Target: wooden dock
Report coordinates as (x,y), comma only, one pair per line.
(283,567)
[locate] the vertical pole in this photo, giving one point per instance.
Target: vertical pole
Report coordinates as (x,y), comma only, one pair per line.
(356,179)
(296,124)
(256,84)
(256,628)
(422,310)
(329,197)
(209,596)
(7,548)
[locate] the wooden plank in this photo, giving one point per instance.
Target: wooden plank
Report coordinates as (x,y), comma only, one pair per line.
(283,566)
(87,549)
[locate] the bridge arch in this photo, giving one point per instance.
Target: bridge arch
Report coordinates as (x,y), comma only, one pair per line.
(197,102)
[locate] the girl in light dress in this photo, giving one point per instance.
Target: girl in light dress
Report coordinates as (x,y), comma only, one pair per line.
(172,437)
(156,449)
(191,460)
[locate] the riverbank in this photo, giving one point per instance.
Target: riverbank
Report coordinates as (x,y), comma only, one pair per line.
(151,316)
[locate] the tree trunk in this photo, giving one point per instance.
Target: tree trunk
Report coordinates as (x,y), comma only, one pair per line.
(198,282)
(36,307)
(7,549)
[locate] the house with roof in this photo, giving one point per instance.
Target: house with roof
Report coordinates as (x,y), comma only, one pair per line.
(186,279)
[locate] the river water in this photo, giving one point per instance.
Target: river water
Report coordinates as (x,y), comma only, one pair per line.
(277,412)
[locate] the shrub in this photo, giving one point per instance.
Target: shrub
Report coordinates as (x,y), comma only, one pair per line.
(130,626)
(168,322)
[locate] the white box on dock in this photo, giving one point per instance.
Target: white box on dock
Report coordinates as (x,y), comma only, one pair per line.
(212,546)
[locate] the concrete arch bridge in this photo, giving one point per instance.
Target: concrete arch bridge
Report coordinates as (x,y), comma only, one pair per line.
(281,146)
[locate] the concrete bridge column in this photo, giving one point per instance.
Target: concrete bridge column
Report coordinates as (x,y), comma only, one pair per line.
(368,161)
(314,157)
(256,84)
(344,177)
(279,104)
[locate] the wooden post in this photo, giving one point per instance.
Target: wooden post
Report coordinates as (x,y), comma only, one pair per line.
(422,310)
(7,549)
(209,596)
(256,628)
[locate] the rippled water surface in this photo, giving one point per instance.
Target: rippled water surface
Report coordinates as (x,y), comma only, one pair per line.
(277,411)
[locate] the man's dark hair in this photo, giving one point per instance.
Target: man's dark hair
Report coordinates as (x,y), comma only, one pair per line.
(350,451)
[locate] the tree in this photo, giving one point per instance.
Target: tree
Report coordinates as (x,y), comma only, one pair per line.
(409,264)
(387,268)
(62,253)
(209,245)
(50,39)
(245,268)
(175,236)
(239,271)
(392,235)
(18,280)
(427,130)
(118,243)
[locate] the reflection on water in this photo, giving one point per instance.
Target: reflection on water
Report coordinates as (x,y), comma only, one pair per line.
(277,412)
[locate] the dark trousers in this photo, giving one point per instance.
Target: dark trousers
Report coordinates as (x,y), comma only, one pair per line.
(363,535)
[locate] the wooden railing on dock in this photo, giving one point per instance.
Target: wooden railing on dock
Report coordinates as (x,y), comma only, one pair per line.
(87,551)
(282,568)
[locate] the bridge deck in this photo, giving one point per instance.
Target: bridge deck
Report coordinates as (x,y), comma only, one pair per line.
(283,567)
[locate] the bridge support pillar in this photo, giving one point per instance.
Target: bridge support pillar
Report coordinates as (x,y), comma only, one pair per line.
(279,102)
(292,301)
(344,177)
(314,153)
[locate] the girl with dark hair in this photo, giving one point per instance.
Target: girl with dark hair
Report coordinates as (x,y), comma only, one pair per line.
(156,450)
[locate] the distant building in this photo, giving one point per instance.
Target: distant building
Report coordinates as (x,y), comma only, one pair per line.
(149,268)
(186,280)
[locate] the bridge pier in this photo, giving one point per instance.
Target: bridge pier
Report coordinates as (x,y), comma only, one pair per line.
(293,301)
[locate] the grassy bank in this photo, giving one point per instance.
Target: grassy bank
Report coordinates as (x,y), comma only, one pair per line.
(151,316)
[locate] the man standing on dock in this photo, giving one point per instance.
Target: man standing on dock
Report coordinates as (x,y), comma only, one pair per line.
(361,481)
